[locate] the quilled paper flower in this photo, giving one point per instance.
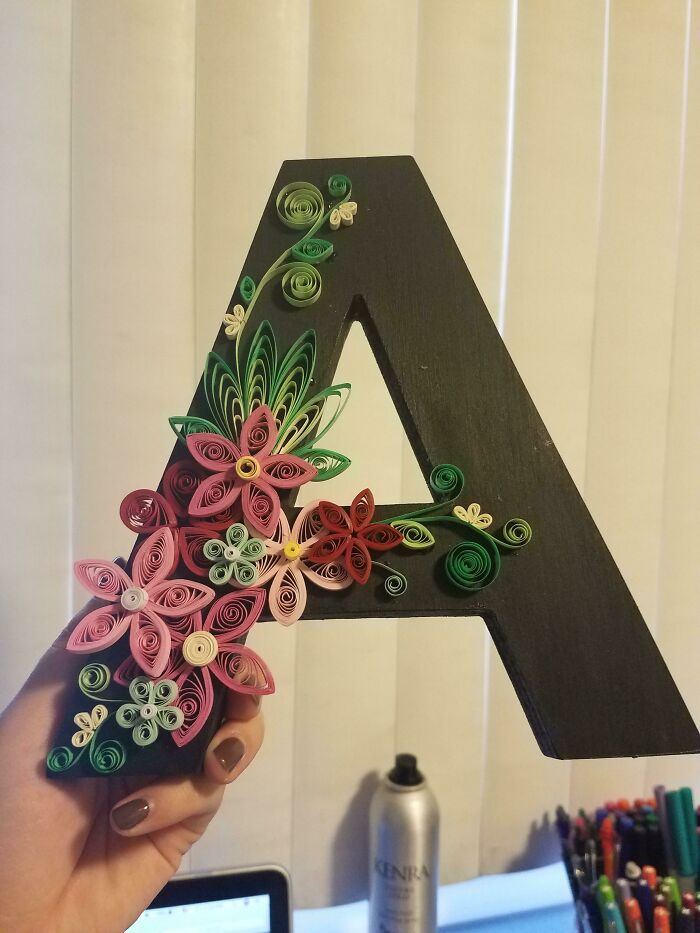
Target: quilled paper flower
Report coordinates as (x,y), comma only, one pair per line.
(137,605)
(88,724)
(342,214)
(152,709)
(352,537)
(473,515)
(233,321)
(235,557)
(202,650)
(251,472)
(287,563)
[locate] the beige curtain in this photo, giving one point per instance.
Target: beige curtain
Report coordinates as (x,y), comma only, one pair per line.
(561,139)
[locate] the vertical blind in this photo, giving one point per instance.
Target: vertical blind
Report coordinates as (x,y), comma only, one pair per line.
(561,139)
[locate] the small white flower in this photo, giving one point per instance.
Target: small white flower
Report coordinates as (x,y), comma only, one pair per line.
(473,515)
(88,724)
(342,214)
(233,321)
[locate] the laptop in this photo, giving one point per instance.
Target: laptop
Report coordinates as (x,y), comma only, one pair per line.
(247,900)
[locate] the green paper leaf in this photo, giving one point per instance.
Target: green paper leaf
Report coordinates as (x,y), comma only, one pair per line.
(185,425)
(415,536)
(223,395)
(260,369)
(298,430)
(247,288)
(313,250)
(293,378)
(329,463)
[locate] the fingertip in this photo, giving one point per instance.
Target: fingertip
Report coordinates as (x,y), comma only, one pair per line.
(242,706)
(226,759)
(127,815)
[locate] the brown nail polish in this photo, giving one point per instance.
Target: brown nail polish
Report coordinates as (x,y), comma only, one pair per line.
(229,753)
(130,814)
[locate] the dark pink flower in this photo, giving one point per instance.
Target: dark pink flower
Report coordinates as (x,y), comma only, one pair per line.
(251,472)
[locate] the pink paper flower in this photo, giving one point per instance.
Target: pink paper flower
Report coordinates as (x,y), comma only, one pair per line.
(137,605)
(202,650)
(251,472)
(287,563)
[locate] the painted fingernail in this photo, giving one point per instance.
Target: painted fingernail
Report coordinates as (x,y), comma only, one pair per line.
(229,753)
(130,814)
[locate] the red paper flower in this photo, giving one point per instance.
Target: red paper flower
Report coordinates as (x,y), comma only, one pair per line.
(137,605)
(353,536)
(202,650)
(251,472)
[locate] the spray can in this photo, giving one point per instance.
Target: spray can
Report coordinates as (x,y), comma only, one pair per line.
(404,828)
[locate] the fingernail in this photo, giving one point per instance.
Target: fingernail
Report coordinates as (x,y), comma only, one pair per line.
(229,753)
(130,814)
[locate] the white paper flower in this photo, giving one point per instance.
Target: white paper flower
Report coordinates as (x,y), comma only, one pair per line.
(233,321)
(342,214)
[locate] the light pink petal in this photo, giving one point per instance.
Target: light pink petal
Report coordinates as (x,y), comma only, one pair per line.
(214,494)
(195,697)
(261,506)
(268,566)
(331,576)
(155,559)
(285,471)
(99,629)
(149,641)
(287,595)
(102,578)
(233,614)
(279,536)
(192,541)
(126,672)
(259,433)
(177,598)
(144,510)
(308,526)
(212,451)
(240,668)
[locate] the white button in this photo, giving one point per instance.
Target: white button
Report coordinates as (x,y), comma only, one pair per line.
(147,711)
(232,553)
(134,598)
(200,649)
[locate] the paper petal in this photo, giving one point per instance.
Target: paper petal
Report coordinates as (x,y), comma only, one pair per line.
(212,451)
(233,614)
(261,506)
(331,576)
(99,629)
(195,696)
(144,510)
(334,517)
(192,541)
(214,494)
(83,721)
(176,598)
(308,526)
(102,578)
(285,471)
(181,628)
(179,483)
(380,537)
(287,595)
(240,668)
(328,548)
(259,433)
(126,672)
(155,559)
(357,561)
(149,641)
(362,509)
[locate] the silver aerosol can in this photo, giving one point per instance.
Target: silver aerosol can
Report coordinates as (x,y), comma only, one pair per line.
(404,827)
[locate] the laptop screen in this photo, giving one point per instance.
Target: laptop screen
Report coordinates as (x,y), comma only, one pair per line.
(230,915)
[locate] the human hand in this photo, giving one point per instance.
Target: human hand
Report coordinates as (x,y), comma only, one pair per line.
(90,854)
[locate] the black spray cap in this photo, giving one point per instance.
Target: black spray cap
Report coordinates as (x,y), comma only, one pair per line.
(405,772)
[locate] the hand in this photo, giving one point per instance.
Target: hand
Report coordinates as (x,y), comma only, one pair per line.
(90,854)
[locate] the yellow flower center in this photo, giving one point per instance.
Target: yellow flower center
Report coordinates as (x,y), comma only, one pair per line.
(247,468)
(292,550)
(200,649)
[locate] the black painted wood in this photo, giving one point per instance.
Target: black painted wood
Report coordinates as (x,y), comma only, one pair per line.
(582,661)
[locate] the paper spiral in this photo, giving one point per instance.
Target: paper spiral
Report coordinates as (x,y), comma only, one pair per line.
(301,284)
(472,565)
(299,205)
(516,533)
(60,759)
(94,678)
(447,481)
(108,756)
(339,186)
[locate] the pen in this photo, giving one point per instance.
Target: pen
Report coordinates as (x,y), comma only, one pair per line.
(662,920)
(677,826)
(633,916)
(613,919)
(674,895)
(607,842)
(686,922)
(645,896)
(660,795)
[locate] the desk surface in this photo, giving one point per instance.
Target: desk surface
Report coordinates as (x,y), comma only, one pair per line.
(537,901)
